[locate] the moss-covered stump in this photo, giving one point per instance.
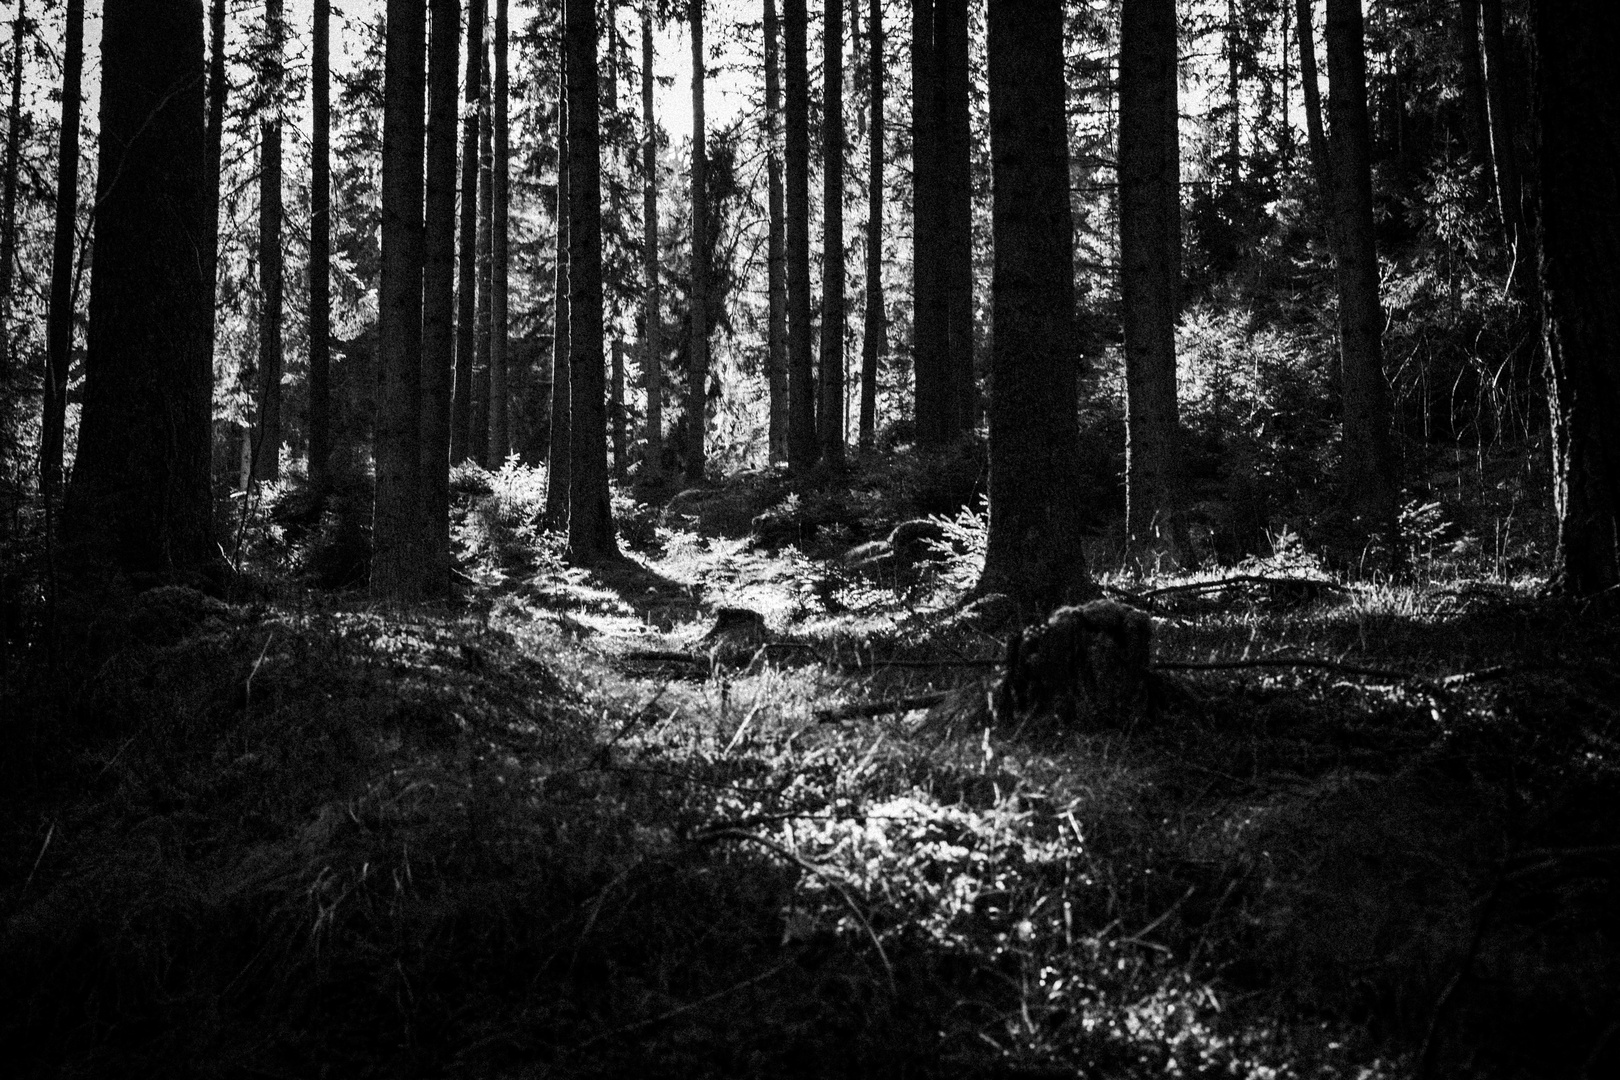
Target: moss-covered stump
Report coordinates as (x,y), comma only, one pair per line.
(1085,665)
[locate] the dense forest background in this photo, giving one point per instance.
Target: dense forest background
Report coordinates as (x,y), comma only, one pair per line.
(1006,538)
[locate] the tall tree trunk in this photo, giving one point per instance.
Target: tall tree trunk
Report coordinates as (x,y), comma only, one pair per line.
(652,326)
(439,291)
(1476,112)
(1234,100)
(1369,470)
(776,247)
(931,395)
(590,517)
(320,250)
(1578,150)
(1149,209)
(559,459)
(1034,552)
(698,346)
(1316,135)
(832,236)
(59,321)
(956,166)
(139,500)
(616,411)
(8,202)
(874,345)
(1504,152)
(500,442)
(484,324)
(461,406)
(397,563)
(1285,138)
(218,89)
(803,448)
(267,442)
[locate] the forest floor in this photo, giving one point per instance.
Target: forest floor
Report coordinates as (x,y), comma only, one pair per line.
(559,827)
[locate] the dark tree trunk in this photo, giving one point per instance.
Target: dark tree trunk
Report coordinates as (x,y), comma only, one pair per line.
(218,90)
(1476,113)
(776,248)
(559,460)
(1578,150)
(931,395)
(652,327)
(484,322)
(461,407)
(698,343)
(500,442)
(1504,151)
(832,236)
(874,344)
(438,291)
(1034,552)
(590,517)
(1369,460)
(1149,210)
(8,202)
(1315,133)
(803,448)
(616,410)
(956,189)
(1234,100)
(942,207)
(397,563)
(64,246)
(267,440)
(320,250)
(139,500)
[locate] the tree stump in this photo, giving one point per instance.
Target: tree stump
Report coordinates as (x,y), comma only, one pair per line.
(736,635)
(1085,666)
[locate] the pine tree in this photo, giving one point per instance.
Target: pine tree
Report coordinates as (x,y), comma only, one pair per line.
(320,250)
(652,345)
(461,407)
(698,340)
(832,239)
(438,290)
(59,321)
(267,439)
(803,447)
(874,345)
(776,362)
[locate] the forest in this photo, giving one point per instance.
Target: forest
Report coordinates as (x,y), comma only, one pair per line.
(1003,539)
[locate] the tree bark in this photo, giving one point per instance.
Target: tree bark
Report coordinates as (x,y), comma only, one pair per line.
(698,346)
(320,250)
(500,442)
(560,458)
(1234,100)
(803,447)
(616,411)
(1578,151)
(832,236)
(956,165)
(1476,112)
(461,409)
(942,335)
(1369,470)
(64,246)
(139,501)
(652,327)
(1504,151)
(1316,135)
(438,291)
(776,247)
(590,517)
(218,90)
(928,336)
(1034,552)
(483,337)
(874,344)
(397,563)
(267,441)
(8,202)
(1149,210)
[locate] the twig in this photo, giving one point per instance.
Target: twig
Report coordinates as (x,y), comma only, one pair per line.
(38,858)
(1138,938)
(247,690)
(666,656)
(838,886)
(860,710)
(1288,662)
